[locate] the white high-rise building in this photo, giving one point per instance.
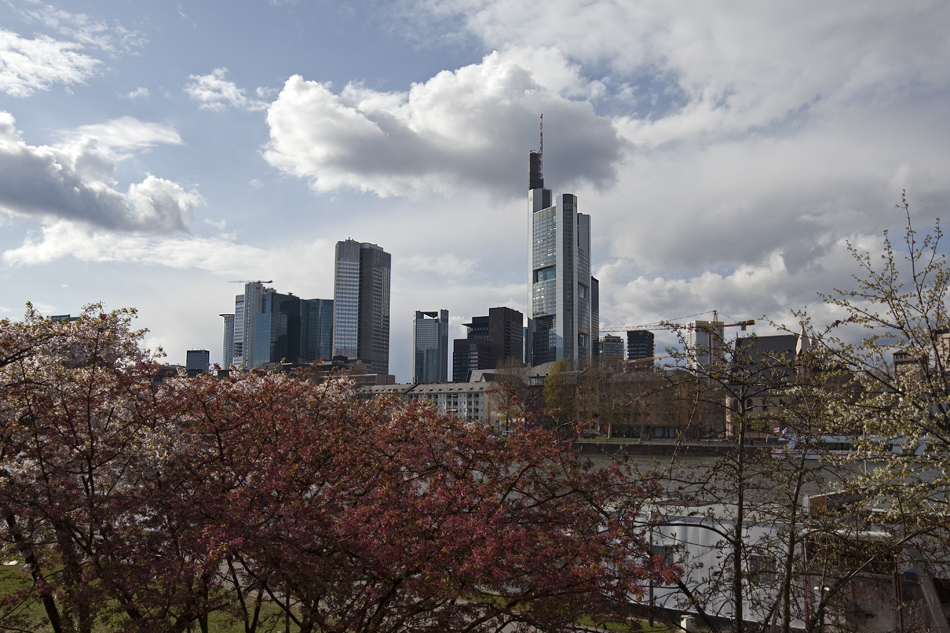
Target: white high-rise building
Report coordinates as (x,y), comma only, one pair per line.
(227,348)
(704,343)
(562,296)
(246,309)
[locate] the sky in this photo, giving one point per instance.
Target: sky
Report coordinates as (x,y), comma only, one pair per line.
(152,153)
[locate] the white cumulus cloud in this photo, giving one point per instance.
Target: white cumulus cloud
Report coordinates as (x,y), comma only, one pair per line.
(469,128)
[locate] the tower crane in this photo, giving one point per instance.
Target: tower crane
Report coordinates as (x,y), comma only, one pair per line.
(669,325)
(252,281)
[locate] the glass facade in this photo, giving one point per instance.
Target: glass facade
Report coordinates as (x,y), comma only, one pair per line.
(318,342)
(346,299)
(492,341)
(561,289)
(197,359)
(470,354)
(361,299)
(283,328)
(430,342)
(238,355)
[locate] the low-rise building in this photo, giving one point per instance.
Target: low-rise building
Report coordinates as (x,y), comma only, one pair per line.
(469,401)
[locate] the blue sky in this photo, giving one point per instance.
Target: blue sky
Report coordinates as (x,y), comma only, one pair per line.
(150,152)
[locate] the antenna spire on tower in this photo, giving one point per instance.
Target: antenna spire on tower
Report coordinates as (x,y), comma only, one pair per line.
(541,150)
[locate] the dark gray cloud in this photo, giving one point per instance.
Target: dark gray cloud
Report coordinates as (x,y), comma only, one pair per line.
(75,182)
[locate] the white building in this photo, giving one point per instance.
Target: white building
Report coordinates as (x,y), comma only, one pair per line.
(469,401)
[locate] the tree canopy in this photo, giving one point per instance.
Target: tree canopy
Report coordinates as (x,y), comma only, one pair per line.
(147,502)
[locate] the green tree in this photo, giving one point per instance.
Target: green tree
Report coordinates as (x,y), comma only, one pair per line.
(560,393)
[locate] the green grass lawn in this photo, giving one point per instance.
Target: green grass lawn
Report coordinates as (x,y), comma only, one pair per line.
(28,615)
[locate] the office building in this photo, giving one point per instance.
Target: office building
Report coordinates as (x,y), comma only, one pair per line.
(246,307)
(237,358)
(270,327)
(506,333)
(611,347)
(361,304)
(227,347)
(468,355)
(197,360)
(562,294)
(704,343)
(317,332)
(293,330)
(594,311)
(640,344)
(430,344)
(492,341)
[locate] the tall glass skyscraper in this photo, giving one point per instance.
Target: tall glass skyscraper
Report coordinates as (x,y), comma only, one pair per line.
(361,303)
(562,293)
(430,344)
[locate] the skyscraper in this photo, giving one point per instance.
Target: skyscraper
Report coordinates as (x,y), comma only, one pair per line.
(640,344)
(492,340)
(270,327)
(293,330)
(227,349)
(361,304)
(559,281)
(506,333)
(430,345)
(704,343)
(611,348)
(317,340)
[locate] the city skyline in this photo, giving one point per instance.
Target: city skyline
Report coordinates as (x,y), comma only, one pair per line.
(728,153)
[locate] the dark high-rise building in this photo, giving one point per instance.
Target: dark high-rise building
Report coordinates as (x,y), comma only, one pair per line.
(594,313)
(197,360)
(469,354)
(506,332)
(317,333)
(560,285)
(430,345)
(361,304)
(640,344)
(611,347)
(270,327)
(492,341)
(293,330)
